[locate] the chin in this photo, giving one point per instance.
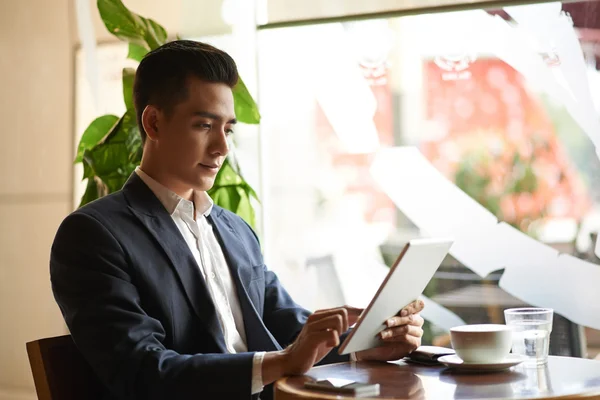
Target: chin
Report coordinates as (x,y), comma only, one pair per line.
(204,184)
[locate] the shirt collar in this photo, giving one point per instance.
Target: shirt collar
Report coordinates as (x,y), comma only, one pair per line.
(173,202)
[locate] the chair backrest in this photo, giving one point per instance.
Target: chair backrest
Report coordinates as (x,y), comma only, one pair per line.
(60,372)
(567,338)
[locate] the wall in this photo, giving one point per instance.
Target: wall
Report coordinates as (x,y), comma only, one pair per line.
(38,39)
(36,59)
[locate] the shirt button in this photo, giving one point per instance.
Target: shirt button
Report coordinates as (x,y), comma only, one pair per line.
(212,275)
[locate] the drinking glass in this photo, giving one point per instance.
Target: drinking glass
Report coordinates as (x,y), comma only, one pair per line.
(531,333)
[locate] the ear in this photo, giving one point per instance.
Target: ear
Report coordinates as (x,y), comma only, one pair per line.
(150,122)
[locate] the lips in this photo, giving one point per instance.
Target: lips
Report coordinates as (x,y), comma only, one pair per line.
(212,166)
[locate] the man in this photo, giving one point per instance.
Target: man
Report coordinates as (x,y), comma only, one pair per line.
(165,294)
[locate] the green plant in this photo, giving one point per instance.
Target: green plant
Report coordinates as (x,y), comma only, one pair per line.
(475,176)
(111,147)
(472,178)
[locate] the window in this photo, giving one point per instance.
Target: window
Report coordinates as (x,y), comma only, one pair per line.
(502,103)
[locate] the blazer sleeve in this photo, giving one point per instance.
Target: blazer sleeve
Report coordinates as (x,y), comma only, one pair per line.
(283,317)
(95,289)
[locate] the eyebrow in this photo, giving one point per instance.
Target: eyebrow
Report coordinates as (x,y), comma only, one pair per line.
(210,115)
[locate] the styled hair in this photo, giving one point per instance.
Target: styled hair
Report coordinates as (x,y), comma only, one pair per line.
(162,76)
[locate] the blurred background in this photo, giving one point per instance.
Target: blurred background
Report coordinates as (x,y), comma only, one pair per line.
(336,82)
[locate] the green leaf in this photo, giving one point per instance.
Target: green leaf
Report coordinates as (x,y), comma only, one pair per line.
(227,176)
(116,156)
(116,180)
(220,197)
(128,78)
(236,200)
(227,197)
(87,170)
(91,193)
(94,133)
(136,52)
(155,32)
(129,26)
(246,109)
(233,193)
(250,191)
(134,146)
(246,210)
(121,22)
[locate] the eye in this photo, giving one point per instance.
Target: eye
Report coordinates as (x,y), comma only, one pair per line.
(229,131)
(203,125)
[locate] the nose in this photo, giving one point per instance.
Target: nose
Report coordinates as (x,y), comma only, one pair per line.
(220,144)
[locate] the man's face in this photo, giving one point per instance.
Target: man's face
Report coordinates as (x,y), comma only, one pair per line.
(191,140)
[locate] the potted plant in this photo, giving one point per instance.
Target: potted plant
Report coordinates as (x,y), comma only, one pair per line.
(111,147)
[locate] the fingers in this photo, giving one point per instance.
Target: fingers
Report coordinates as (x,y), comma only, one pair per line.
(417,320)
(398,321)
(329,338)
(329,311)
(407,343)
(333,322)
(413,308)
(396,349)
(413,343)
(408,315)
(309,348)
(353,314)
(401,333)
(319,335)
(343,312)
(412,319)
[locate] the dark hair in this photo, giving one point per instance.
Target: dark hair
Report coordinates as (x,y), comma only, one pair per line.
(162,75)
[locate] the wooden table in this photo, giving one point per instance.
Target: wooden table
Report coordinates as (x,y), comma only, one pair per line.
(563,378)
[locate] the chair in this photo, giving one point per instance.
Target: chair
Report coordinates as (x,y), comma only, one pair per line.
(60,372)
(567,338)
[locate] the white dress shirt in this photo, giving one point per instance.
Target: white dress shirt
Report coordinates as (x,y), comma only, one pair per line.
(200,238)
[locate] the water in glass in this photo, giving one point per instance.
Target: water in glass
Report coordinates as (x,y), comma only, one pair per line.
(531,338)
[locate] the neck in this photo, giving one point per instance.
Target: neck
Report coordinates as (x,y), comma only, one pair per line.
(160,176)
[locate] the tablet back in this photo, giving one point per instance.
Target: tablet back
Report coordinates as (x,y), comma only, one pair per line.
(403,284)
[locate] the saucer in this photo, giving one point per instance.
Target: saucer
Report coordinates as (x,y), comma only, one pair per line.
(454,362)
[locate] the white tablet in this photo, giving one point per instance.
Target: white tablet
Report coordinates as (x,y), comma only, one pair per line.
(405,282)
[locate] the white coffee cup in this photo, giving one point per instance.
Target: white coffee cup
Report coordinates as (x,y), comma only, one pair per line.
(485,343)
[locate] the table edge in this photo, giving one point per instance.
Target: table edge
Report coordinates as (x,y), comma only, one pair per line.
(283,385)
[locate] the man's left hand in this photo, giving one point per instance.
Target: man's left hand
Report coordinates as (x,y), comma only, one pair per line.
(401,337)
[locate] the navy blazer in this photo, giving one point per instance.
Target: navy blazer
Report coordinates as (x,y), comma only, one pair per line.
(140,312)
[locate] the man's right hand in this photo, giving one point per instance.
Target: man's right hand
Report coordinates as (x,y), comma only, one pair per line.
(319,336)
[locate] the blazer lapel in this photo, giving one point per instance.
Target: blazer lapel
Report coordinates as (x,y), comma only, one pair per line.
(257,335)
(149,210)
